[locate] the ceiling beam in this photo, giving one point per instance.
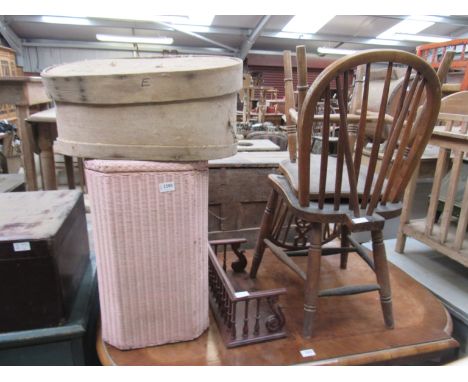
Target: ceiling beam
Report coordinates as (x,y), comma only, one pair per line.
(185,29)
(12,39)
(334,38)
(142,24)
(250,40)
(42,43)
(150,25)
(250,35)
(453,20)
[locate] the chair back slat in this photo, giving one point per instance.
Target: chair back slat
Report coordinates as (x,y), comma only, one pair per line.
(403,143)
(392,142)
(344,149)
(369,174)
(360,142)
(345,90)
(398,138)
(404,88)
(304,168)
(288,104)
(340,153)
(301,75)
(325,147)
(374,156)
(417,145)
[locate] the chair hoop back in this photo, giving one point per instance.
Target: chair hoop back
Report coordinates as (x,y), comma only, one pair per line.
(388,166)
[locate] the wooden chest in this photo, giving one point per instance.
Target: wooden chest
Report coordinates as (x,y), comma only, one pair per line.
(44,251)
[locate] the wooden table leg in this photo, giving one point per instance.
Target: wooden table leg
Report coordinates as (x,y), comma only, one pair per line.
(27,153)
(46,140)
(6,152)
(69,171)
(82,175)
(311,285)
(406,210)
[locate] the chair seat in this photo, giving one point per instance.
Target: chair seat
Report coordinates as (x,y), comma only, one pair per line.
(290,171)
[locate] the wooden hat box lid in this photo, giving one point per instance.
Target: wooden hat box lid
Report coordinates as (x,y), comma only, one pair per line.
(167,108)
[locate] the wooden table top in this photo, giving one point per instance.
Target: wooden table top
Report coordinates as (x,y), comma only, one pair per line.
(45,116)
(257,145)
(350,330)
(9,182)
(20,79)
(350,118)
(251,159)
(22,91)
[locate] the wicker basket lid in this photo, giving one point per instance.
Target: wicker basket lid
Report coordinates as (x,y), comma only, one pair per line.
(132,166)
(143,80)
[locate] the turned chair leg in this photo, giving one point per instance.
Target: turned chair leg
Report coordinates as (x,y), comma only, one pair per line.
(311,289)
(344,244)
(383,279)
(265,230)
(401,241)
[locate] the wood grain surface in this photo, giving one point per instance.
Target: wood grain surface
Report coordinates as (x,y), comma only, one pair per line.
(136,80)
(350,330)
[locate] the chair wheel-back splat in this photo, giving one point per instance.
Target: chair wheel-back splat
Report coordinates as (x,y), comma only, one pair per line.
(362,185)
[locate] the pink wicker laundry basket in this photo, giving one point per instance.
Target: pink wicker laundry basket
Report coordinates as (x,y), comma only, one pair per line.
(150,229)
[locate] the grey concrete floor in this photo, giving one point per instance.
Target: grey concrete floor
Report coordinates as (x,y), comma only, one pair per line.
(444,277)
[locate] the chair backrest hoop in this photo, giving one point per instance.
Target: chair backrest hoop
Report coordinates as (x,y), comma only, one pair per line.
(411,128)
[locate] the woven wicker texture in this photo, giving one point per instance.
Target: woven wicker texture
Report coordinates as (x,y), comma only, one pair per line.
(113,166)
(151,250)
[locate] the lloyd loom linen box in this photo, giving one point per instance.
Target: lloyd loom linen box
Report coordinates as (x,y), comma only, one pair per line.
(44,251)
(150,229)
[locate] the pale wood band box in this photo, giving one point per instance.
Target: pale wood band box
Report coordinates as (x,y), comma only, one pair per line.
(167,109)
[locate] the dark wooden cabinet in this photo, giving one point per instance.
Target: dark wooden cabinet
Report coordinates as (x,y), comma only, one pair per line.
(44,251)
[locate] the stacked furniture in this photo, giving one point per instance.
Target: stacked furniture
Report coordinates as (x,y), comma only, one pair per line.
(150,219)
(24,93)
(319,190)
(445,225)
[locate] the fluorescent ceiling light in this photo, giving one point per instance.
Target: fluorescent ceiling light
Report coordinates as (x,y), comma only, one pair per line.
(201,19)
(436,19)
(412,37)
(307,23)
(325,50)
(407,26)
(65,20)
(378,41)
(408,30)
(198,19)
(135,39)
